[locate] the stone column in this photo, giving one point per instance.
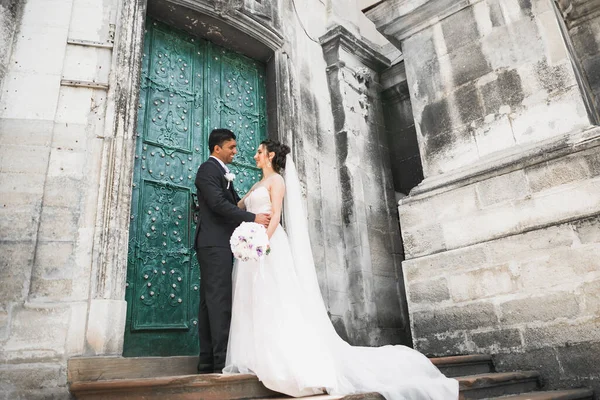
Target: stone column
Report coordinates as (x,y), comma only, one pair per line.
(371,238)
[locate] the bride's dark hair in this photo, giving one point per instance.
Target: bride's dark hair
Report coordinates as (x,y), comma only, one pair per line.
(280,150)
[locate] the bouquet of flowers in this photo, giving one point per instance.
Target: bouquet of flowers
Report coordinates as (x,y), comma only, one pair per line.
(249,241)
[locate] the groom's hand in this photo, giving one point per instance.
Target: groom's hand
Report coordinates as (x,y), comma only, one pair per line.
(263,219)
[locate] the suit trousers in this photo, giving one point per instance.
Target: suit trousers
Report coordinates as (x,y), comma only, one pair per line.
(214,316)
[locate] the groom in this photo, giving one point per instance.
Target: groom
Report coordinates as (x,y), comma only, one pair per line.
(219,216)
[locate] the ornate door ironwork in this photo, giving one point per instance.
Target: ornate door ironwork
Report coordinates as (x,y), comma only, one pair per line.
(188,87)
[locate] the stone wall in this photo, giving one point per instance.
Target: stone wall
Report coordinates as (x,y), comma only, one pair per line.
(501,238)
(506,276)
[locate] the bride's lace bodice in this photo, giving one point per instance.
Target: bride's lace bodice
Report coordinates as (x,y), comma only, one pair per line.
(259,201)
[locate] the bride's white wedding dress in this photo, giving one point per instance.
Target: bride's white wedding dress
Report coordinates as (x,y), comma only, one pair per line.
(280,330)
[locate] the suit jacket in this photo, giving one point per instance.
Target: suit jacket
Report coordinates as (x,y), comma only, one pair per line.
(218,212)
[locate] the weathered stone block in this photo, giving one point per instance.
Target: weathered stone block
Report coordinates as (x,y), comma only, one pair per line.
(50,289)
(493,134)
(25,132)
(31,376)
(106,326)
(436,265)
(24,159)
(74,105)
(17,188)
(591,298)
(486,224)
(556,172)
(63,191)
(432,291)
(58,224)
(543,360)
(469,104)
(578,360)
(423,240)
(472,316)
(468,63)
(482,283)
(559,266)
(47,13)
(511,186)
(27,57)
(542,308)
(561,334)
(16,259)
(459,29)
(496,341)
(442,345)
(39,328)
(87,64)
(505,90)
(30,96)
(64,163)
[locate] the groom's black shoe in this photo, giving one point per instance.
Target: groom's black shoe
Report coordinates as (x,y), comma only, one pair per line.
(205,369)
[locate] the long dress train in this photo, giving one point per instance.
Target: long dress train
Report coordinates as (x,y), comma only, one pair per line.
(280,330)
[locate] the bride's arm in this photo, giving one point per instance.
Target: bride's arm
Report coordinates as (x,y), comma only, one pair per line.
(276,191)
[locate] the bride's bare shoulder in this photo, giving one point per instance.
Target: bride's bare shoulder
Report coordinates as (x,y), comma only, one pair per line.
(276,182)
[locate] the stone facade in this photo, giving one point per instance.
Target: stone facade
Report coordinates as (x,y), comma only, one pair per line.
(501,237)
(70,71)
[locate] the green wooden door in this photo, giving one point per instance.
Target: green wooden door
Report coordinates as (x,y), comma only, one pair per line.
(188,87)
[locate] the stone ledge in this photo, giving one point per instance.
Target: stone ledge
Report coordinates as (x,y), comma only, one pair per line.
(515,158)
(367,52)
(400,19)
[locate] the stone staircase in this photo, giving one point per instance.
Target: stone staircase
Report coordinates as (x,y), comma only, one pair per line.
(173,378)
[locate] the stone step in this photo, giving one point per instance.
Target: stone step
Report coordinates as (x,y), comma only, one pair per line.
(573,394)
(187,387)
(464,365)
(484,386)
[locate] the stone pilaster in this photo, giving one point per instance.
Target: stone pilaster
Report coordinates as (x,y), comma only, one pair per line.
(370,231)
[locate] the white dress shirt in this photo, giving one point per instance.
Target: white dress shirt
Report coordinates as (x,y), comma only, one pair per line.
(222,164)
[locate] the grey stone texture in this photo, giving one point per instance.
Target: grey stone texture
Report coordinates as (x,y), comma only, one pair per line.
(501,238)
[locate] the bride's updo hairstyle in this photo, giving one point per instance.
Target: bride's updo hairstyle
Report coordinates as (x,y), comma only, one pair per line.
(280,150)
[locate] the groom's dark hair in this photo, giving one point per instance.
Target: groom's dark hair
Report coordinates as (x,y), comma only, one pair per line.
(219,136)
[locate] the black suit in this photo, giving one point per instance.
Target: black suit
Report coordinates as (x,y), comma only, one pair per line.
(218,217)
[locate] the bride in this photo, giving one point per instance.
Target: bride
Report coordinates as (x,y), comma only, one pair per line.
(280,330)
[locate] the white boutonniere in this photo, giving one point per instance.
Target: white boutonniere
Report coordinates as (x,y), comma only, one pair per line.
(230,177)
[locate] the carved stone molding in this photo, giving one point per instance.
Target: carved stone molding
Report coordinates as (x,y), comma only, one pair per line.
(256,19)
(400,19)
(339,38)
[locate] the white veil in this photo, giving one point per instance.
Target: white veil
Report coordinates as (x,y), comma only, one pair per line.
(396,372)
(296,226)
